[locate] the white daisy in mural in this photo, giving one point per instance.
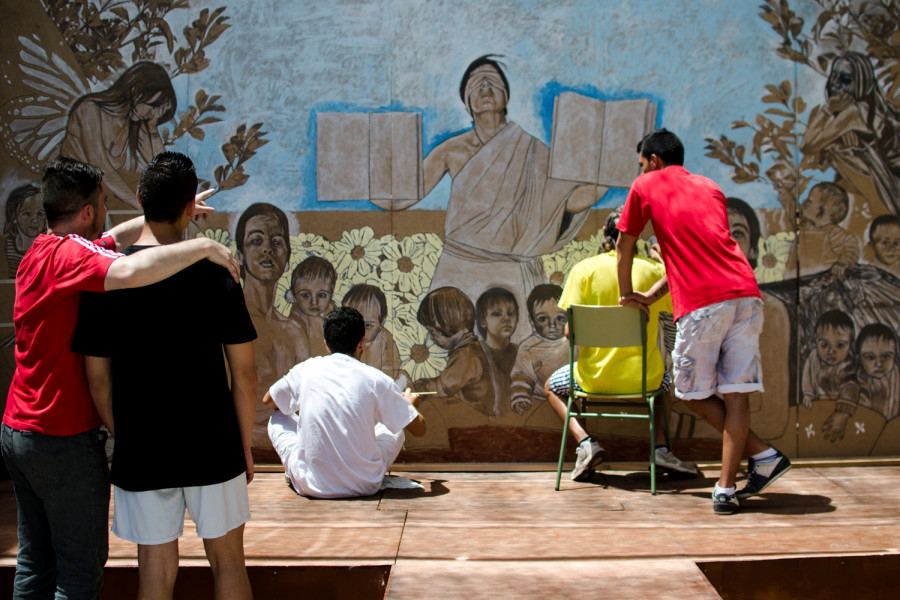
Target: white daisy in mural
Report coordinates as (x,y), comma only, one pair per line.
(220,235)
(419,355)
(304,245)
(282,303)
(558,264)
(773,255)
(357,254)
(403,265)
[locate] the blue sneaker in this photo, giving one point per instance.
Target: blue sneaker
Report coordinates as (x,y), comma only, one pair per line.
(762,475)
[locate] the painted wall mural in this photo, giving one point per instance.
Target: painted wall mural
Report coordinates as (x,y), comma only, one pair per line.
(441,166)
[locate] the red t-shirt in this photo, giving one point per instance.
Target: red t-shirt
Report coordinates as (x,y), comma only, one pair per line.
(704,263)
(49,392)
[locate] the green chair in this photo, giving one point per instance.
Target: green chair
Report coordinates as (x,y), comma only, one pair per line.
(611,327)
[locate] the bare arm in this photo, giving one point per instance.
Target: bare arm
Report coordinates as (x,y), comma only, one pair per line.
(99,378)
(156,264)
(242,362)
(417,427)
(268,401)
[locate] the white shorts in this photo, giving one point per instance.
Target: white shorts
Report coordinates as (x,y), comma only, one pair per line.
(157,516)
(717,350)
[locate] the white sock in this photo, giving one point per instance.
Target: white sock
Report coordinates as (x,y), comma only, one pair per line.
(720,490)
(766,455)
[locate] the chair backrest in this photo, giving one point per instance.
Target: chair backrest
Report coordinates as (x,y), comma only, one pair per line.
(606,326)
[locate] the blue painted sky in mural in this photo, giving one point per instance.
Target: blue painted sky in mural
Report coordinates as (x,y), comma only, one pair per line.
(282,61)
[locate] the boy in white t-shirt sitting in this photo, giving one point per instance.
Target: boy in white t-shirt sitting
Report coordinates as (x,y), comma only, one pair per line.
(351,420)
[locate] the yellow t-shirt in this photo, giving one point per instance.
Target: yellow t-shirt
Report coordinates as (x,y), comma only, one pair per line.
(594,281)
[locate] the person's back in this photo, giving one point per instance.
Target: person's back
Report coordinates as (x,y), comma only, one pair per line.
(704,264)
(615,370)
(339,423)
(152,389)
(341,402)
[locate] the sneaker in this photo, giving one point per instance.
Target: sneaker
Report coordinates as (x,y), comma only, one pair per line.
(674,465)
(588,455)
(725,504)
(761,475)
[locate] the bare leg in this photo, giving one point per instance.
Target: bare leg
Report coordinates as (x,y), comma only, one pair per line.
(157,569)
(712,410)
(734,436)
(226,557)
(560,406)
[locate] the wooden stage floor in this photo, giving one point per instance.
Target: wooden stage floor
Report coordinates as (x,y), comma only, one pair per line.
(510,535)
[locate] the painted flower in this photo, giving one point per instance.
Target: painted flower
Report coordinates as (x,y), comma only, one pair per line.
(222,236)
(419,355)
(282,302)
(558,264)
(304,245)
(404,265)
(357,254)
(773,255)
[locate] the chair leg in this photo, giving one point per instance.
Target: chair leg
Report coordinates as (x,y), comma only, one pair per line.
(562,445)
(652,405)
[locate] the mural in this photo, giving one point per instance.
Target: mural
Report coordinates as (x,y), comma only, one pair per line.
(443,178)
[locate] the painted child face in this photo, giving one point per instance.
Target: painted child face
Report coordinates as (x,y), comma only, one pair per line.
(815,209)
(31,218)
(549,320)
(500,321)
(740,231)
(877,356)
(886,243)
(441,339)
(371,314)
(832,344)
(313,296)
(265,249)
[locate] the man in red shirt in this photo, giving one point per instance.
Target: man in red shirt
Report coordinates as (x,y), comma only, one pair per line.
(718,308)
(51,439)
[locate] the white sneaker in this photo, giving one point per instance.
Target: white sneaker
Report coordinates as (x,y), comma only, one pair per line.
(671,463)
(588,455)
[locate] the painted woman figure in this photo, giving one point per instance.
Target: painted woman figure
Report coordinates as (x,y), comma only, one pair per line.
(504,211)
(117,129)
(25,219)
(857,132)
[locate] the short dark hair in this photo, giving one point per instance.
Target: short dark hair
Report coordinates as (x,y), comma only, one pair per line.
(875,331)
(66,187)
(487,59)
(488,300)
(343,328)
(314,267)
(167,186)
(363,293)
(664,144)
(836,194)
(542,293)
(259,209)
(610,232)
(882,221)
(836,319)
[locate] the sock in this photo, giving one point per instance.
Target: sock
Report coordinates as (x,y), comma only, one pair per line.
(664,448)
(766,456)
(721,490)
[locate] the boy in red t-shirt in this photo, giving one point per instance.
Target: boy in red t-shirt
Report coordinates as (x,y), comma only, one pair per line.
(718,308)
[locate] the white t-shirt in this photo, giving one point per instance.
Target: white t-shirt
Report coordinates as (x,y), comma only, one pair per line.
(340,400)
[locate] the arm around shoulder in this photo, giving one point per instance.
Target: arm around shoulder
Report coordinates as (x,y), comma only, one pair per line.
(155,264)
